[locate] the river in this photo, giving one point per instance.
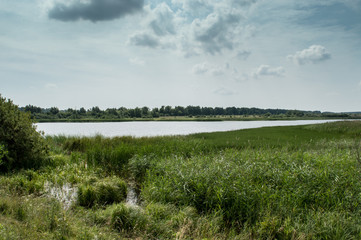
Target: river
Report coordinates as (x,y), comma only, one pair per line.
(158,128)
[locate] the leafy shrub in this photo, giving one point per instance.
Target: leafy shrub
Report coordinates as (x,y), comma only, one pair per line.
(21,145)
(107,191)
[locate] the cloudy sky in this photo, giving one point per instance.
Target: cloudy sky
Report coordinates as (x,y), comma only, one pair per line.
(288,54)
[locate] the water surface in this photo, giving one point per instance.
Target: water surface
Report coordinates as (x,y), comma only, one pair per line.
(156,128)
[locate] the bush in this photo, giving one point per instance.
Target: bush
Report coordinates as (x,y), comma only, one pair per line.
(101,193)
(126,219)
(21,146)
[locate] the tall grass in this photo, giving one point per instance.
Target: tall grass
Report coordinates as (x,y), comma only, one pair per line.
(300,182)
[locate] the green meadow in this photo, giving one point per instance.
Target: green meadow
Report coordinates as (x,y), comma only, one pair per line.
(295,182)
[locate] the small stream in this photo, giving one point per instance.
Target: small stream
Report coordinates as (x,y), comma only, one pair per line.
(68,194)
(132,196)
(65,194)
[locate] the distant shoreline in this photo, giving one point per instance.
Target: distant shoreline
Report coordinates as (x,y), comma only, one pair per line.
(187,119)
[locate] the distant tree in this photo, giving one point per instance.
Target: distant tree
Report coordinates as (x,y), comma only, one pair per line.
(218,111)
(137,112)
(155,112)
(32,109)
(96,112)
(131,113)
(231,111)
(112,112)
(168,110)
(70,111)
(268,114)
(162,111)
(179,111)
(145,112)
(82,111)
(194,110)
(123,112)
(207,111)
(54,110)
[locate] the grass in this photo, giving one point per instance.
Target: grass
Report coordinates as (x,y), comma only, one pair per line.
(299,182)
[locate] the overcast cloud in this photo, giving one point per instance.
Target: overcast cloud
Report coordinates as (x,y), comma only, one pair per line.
(95,10)
(132,53)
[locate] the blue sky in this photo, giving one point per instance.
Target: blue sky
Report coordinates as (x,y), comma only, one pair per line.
(246,53)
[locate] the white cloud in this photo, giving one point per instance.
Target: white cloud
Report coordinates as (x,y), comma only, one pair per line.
(162,22)
(137,61)
(144,39)
(243,54)
(195,27)
(313,54)
(224,92)
(217,32)
(201,68)
(196,8)
(50,86)
(266,70)
(206,68)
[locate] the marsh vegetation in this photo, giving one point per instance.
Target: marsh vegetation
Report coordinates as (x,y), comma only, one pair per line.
(299,182)
(295,182)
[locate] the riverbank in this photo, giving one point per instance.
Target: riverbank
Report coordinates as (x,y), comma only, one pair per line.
(294,182)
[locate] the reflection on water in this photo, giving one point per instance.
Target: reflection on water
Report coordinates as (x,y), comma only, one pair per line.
(144,129)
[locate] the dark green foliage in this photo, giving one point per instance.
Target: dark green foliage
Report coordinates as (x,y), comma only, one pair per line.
(21,145)
(101,193)
(185,113)
(3,153)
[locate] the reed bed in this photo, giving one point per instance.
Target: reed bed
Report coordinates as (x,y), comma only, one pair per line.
(300,182)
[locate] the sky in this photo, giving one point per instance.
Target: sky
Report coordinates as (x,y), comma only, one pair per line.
(287,54)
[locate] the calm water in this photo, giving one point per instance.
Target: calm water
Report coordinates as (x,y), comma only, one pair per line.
(144,129)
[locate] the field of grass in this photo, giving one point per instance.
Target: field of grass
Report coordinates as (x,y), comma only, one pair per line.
(298,182)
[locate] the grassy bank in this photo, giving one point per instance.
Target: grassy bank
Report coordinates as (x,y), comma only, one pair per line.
(299,182)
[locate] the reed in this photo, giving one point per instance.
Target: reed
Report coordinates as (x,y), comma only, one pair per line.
(299,182)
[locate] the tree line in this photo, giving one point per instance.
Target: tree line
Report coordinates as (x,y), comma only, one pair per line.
(55,113)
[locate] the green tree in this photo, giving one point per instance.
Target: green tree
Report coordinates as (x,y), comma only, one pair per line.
(21,145)
(155,112)
(54,110)
(3,153)
(32,109)
(145,112)
(137,112)
(82,111)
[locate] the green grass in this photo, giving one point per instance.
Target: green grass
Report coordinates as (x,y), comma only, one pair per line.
(299,182)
